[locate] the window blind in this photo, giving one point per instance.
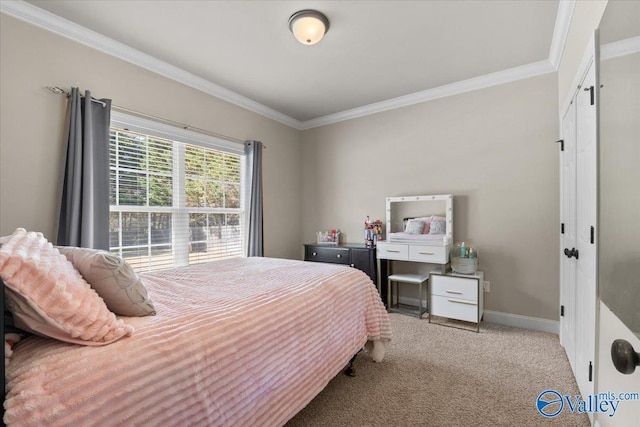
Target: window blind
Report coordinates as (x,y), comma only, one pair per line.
(173,203)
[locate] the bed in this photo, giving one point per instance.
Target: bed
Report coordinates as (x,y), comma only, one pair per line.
(424,229)
(241,342)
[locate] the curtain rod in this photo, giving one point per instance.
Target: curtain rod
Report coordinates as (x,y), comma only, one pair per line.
(58,91)
(177,124)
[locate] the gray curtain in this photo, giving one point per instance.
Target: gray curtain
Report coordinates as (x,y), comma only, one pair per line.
(84,208)
(253,150)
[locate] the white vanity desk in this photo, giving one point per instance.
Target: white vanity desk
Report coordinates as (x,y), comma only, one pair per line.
(433,253)
(427,251)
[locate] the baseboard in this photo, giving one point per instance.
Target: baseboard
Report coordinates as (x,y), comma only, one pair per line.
(508,319)
(525,322)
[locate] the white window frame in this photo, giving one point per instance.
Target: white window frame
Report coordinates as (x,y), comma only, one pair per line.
(141,125)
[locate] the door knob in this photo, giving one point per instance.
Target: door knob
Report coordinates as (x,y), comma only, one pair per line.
(624,357)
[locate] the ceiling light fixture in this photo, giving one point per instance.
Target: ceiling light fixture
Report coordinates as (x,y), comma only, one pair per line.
(308,26)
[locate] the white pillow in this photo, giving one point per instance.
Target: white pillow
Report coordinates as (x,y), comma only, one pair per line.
(438,226)
(414,226)
(113,279)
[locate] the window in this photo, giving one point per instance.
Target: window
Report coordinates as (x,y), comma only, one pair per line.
(176,198)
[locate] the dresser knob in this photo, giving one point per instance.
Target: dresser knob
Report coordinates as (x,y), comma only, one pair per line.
(315,253)
(339,256)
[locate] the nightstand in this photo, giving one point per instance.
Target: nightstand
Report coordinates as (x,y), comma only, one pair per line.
(356,255)
(457,296)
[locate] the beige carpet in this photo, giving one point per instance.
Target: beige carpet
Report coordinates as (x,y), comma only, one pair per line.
(435,375)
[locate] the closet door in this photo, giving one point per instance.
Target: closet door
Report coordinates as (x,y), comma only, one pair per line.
(579,208)
(568,236)
(586,211)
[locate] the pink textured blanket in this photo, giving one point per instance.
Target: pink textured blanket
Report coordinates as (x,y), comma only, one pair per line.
(241,342)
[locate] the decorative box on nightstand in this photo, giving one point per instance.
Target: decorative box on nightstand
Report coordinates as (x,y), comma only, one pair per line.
(457,296)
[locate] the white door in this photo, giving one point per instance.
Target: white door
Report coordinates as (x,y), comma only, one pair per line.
(619,215)
(579,214)
(568,236)
(609,379)
(586,213)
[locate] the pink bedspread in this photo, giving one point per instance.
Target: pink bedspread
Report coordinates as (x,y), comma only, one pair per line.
(241,342)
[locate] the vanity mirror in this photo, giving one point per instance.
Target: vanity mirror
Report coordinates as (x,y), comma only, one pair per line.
(430,243)
(435,212)
(619,162)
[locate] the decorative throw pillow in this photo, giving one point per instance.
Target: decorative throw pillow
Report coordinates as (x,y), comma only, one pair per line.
(427,222)
(113,279)
(438,225)
(414,227)
(48,297)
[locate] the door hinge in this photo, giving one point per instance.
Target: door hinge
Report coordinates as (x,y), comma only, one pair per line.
(590,372)
(591,93)
(561,141)
(592,235)
(562,311)
(562,228)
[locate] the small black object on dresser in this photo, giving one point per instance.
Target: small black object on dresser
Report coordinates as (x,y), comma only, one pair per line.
(356,255)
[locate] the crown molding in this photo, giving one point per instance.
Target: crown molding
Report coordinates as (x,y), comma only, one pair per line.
(475,83)
(561,31)
(620,48)
(41,18)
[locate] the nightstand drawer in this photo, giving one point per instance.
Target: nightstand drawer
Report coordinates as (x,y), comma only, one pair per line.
(434,254)
(454,308)
(393,251)
(454,287)
(330,255)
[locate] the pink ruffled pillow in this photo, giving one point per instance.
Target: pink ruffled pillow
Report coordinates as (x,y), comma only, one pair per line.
(48,297)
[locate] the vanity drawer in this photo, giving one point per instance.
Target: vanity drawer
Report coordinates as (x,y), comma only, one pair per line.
(433,254)
(454,287)
(330,255)
(454,308)
(392,251)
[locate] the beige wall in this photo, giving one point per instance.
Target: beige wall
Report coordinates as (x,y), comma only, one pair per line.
(492,149)
(31,119)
